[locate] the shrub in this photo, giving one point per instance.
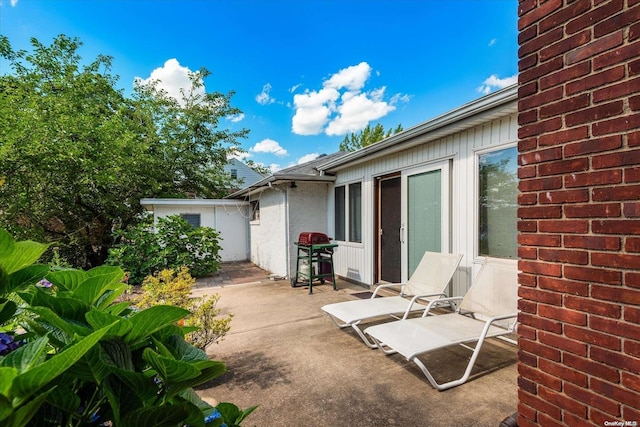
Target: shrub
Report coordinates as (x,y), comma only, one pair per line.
(81,358)
(175,243)
(174,288)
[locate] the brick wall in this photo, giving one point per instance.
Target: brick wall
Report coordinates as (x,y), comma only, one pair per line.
(579,228)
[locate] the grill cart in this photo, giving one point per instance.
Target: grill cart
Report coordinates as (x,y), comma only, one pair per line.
(314,260)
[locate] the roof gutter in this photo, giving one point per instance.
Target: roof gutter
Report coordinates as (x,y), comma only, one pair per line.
(278,179)
(430,130)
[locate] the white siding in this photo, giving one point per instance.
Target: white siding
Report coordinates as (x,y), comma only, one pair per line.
(356,261)
(229,221)
(268,234)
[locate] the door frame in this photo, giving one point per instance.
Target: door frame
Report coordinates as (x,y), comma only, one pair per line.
(377,222)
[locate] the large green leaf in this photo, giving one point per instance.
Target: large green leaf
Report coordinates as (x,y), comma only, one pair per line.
(99,319)
(158,416)
(171,370)
(25,357)
(23,254)
(29,275)
(49,316)
(7,244)
(152,319)
(91,289)
(209,370)
(32,380)
(7,309)
(69,308)
(67,279)
(143,386)
(24,413)
(184,351)
(7,374)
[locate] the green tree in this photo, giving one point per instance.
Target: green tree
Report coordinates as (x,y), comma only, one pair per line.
(366,137)
(77,155)
(261,169)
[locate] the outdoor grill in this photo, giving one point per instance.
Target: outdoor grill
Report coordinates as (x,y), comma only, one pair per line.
(315,253)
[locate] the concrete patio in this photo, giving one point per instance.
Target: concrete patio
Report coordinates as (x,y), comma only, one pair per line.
(285,355)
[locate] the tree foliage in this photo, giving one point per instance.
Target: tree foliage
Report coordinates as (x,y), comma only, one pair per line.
(77,154)
(366,137)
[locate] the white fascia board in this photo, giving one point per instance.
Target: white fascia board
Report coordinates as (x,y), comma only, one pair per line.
(150,203)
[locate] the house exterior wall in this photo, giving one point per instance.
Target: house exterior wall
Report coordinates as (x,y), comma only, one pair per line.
(229,221)
(356,261)
(269,233)
(307,205)
(579,115)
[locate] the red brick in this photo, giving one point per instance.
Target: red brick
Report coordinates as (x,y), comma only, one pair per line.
(540,184)
(559,18)
(621,192)
(540,70)
(564,256)
(620,90)
(526,89)
(538,295)
(634,67)
(564,226)
(563,167)
(565,106)
(539,240)
(593,145)
(593,16)
(527,34)
(527,117)
(616,359)
(617,22)
(631,209)
(564,402)
(527,252)
(613,226)
(540,156)
(634,103)
(632,244)
(565,196)
(548,421)
(591,306)
(632,175)
(632,348)
(596,80)
(540,405)
(592,242)
(536,99)
(630,413)
(539,212)
(565,45)
(528,17)
(563,343)
(529,280)
(525,172)
(527,385)
(601,210)
(566,75)
(527,199)
(539,323)
(526,306)
(527,333)
(593,178)
(634,32)
(593,114)
(591,367)
(631,381)
(617,56)
(616,294)
(563,285)
(592,399)
(529,226)
(527,145)
(621,124)
(590,50)
(615,327)
(539,377)
(632,279)
(540,127)
(597,275)
(632,314)
(560,137)
(538,43)
(633,138)
(545,269)
(621,158)
(591,337)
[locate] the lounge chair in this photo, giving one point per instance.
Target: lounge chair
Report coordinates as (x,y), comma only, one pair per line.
(430,280)
(492,298)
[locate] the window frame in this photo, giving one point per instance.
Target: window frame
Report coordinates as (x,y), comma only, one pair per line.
(349,214)
(191,216)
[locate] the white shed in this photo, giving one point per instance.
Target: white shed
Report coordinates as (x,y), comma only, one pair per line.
(228,217)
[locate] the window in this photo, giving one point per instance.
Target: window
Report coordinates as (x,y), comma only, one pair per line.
(192,219)
(339,213)
(498,193)
(348,212)
(234,173)
(255,211)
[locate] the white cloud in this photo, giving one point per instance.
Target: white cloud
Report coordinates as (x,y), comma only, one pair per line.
(342,105)
(236,118)
(492,42)
(269,146)
(264,98)
(494,82)
(307,158)
(294,87)
(240,155)
(172,77)
(274,167)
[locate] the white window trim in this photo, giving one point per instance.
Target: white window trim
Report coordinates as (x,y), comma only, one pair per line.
(346,186)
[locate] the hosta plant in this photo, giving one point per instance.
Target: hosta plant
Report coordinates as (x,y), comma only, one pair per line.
(78,357)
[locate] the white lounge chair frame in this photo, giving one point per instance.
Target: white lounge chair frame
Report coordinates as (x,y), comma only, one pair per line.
(429,281)
(493,297)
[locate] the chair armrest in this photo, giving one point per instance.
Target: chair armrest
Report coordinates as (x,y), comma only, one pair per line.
(439,301)
(386,285)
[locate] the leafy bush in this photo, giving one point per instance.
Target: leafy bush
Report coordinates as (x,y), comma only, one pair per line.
(82,358)
(175,243)
(171,288)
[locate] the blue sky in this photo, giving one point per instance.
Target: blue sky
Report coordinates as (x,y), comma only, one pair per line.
(305,73)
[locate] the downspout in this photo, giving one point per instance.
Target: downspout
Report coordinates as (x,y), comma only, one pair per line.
(286,232)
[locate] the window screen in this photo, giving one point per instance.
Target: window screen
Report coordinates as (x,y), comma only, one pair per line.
(192,219)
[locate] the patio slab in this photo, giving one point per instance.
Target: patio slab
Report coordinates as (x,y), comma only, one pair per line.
(285,355)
